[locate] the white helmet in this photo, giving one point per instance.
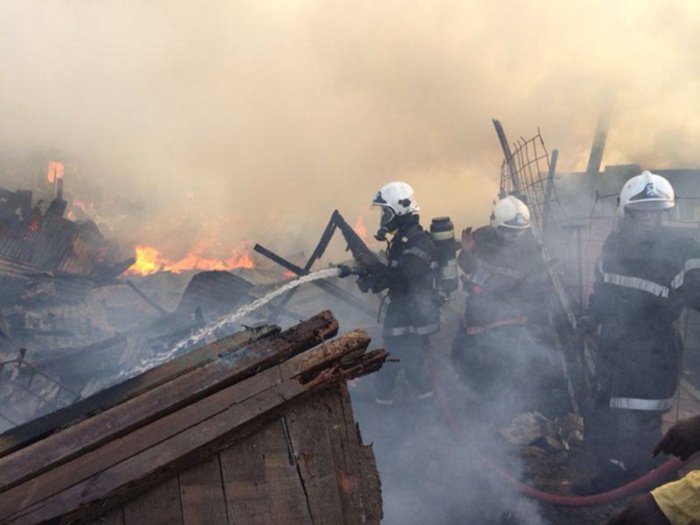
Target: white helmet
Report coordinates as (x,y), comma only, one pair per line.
(510,213)
(395,199)
(647,192)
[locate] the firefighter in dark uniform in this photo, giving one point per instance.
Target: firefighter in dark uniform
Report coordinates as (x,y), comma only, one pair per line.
(408,276)
(646,274)
(494,351)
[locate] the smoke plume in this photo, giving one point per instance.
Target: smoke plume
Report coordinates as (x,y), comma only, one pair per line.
(267,116)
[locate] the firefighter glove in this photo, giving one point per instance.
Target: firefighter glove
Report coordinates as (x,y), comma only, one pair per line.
(467,239)
(682,439)
(366,261)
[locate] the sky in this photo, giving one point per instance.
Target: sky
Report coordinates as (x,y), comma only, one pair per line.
(247,121)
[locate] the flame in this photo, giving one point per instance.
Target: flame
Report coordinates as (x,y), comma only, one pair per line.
(80,210)
(244,260)
(150,260)
(88,208)
(55,171)
(360,228)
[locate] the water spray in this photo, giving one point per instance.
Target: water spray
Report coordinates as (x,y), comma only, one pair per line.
(208,333)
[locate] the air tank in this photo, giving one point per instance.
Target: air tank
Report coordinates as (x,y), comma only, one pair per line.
(443,233)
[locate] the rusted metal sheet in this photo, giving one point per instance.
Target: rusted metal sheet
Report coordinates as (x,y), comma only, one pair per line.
(53,242)
(214,291)
(15,249)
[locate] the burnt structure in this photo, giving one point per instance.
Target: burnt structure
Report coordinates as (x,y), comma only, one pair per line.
(256,426)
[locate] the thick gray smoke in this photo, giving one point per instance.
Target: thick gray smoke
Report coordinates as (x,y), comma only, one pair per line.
(266,117)
(233,121)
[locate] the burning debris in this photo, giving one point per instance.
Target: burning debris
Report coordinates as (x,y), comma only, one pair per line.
(74,324)
(74,330)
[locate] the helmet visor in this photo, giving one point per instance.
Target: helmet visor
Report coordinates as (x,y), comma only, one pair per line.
(387,215)
(509,234)
(650,205)
(519,222)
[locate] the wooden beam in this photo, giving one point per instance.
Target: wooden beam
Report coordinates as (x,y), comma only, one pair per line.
(164,399)
(342,486)
(27,433)
(80,488)
(201,494)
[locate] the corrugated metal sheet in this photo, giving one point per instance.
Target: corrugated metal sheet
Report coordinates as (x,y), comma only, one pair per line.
(16,268)
(79,258)
(14,249)
(53,242)
(216,290)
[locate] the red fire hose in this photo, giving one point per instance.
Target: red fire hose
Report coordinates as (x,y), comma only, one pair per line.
(638,485)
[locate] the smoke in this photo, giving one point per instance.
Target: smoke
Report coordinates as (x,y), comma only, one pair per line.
(269,116)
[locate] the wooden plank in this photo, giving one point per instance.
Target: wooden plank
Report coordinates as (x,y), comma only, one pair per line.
(121,465)
(142,438)
(113,517)
(308,430)
(287,495)
(245,482)
(356,468)
(344,485)
(202,494)
(159,506)
(91,433)
(32,431)
(38,502)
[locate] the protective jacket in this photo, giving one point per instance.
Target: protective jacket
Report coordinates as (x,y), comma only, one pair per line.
(680,500)
(506,280)
(409,277)
(640,289)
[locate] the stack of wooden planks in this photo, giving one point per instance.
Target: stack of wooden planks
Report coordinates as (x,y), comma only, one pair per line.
(254,428)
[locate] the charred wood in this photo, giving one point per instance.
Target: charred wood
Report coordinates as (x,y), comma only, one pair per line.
(94,463)
(313,331)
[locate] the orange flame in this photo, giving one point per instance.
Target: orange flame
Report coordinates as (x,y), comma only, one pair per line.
(360,228)
(150,260)
(55,171)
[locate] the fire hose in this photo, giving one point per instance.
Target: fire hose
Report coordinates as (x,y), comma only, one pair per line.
(638,485)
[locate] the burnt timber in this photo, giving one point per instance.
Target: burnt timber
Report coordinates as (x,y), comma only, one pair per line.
(41,249)
(255,428)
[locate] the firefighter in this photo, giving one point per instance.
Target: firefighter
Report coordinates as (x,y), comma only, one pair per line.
(676,502)
(494,351)
(646,274)
(408,276)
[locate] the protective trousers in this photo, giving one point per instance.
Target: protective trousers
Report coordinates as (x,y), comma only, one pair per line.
(623,438)
(411,350)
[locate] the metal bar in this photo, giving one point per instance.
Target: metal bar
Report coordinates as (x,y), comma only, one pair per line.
(326,237)
(508,155)
(549,187)
(21,362)
(321,283)
(599,139)
(162,311)
(323,242)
